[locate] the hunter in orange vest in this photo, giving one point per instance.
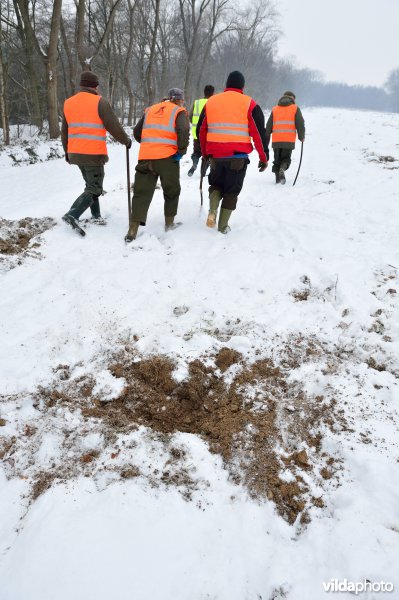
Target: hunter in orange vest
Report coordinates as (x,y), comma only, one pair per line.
(87,118)
(228,124)
(163,132)
(284,123)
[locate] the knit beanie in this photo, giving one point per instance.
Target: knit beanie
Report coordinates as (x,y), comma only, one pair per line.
(176,94)
(235,80)
(88,79)
(290,95)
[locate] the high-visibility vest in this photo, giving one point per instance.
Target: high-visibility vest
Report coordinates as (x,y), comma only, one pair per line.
(284,129)
(198,106)
(159,137)
(227,117)
(86,131)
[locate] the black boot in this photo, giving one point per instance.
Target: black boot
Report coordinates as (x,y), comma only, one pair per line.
(277,177)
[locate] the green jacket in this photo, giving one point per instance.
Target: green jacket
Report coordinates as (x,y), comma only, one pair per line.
(111,124)
(299,124)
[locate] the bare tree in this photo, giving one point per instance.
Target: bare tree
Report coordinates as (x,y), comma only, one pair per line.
(3,91)
(192,14)
(48,57)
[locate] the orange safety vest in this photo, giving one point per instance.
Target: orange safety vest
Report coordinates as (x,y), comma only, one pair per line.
(234,107)
(159,137)
(86,131)
(284,129)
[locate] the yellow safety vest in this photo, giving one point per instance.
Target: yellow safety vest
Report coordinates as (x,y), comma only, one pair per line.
(198,106)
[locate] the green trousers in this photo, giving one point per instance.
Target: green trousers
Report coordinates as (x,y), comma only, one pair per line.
(94,177)
(147,173)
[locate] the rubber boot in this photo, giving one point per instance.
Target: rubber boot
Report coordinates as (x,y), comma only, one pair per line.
(195,160)
(133,229)
(170,223)
(224,217)
(214,199)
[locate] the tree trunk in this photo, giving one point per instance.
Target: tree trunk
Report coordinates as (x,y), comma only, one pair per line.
(3,98)
(150,67)
(52,74)
(26,37)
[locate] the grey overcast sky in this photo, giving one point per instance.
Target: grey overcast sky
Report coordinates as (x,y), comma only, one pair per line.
(351,41)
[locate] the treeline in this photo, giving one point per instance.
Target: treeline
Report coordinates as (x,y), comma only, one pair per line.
(140,48)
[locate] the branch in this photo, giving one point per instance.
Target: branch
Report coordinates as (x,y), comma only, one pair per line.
(107,29)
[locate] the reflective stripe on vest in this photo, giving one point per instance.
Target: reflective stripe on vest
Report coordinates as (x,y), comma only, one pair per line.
(284,128)
(159,137)
(198,106)
(235,107)
(86,131)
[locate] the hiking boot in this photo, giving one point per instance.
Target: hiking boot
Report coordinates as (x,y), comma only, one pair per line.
(170,224)
(191,171)
(132,233)
(281,175)
(224,217)
(74,224)
(98,221)
(277,177)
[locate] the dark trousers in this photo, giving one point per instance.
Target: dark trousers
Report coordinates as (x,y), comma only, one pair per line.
(196,155)
(147,173)
(227,176)
(282,159)
(94,177)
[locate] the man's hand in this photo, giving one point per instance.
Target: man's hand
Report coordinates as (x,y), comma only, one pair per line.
(262,166)
(129,144)
(176,157)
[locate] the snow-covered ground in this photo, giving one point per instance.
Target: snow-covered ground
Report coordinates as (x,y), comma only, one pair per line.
(318,261)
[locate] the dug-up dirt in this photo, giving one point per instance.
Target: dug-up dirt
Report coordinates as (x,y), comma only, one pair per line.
(20,239)
(266,428)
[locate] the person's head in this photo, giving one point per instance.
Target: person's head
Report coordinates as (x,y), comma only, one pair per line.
(209,90)
(235,80)
(88,79)
(176,95)
(290,95)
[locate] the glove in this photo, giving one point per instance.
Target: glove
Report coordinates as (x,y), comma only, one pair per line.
(176,157)
(262,166)
(67,158)
(129,144)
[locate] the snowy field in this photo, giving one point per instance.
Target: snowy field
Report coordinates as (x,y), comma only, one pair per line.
(308,279)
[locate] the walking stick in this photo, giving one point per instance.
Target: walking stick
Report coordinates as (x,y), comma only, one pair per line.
(128,182)
(300,162)
(204,166)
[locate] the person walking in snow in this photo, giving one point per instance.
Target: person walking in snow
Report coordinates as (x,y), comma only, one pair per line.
(284,123)
(194,116)
(163,132)
(87,117)
(227,124)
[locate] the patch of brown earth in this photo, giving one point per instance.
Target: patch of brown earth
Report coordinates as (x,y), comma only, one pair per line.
(262,423)
(244,421)
(19,239)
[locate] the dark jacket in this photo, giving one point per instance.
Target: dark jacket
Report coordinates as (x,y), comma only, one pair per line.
(256,125)
(182,130)
(299,124)
(111,124)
